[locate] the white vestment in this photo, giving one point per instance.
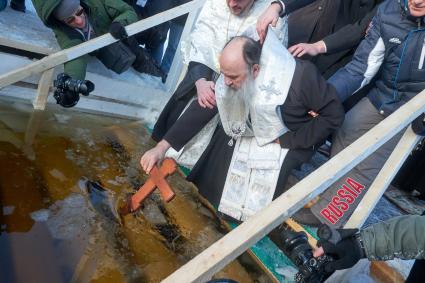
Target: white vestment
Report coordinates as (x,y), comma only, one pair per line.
(256,161)
(214,27)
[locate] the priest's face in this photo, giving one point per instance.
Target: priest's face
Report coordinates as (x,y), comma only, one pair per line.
(417,8)
(235,75)
(237,7)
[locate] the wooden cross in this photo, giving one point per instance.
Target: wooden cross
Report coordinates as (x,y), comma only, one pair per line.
(156,180)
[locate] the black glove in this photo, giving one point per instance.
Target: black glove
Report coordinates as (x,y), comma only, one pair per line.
(418,125)
(117,30)
(342,245)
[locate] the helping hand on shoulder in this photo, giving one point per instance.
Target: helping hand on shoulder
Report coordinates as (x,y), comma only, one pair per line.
(270,16)
(206,94)
(312,49)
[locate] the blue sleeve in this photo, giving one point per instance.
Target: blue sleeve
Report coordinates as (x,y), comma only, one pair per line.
(365,63)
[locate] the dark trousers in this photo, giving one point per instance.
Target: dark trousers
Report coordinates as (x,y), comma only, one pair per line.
(155,36)
(358,121)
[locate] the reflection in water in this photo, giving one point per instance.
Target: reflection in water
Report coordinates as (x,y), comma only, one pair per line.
(56,226)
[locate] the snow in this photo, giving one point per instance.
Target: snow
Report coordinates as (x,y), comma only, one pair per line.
(31,30)
(142,90)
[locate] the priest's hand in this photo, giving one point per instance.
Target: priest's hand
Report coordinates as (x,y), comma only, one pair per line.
(312,49)
(270,16)
(206,94)
(154,155)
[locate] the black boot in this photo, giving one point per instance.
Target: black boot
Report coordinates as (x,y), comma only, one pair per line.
(18,5)
(145,64)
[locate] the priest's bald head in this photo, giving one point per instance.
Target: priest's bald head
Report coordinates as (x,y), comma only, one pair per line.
(238,7)
(240,61)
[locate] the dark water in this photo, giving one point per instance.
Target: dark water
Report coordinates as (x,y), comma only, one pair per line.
(52,229)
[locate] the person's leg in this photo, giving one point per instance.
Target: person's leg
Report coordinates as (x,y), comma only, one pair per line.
(338,202)
(293,160)
(18,5)
(154,38)
(173,42)
(144,62)
(3,4)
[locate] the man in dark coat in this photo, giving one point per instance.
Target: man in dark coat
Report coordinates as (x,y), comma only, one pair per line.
(325,31)
(308,112)
(392,59)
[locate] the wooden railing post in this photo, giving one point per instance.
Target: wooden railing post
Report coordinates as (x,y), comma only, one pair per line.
(44,85)
(402,150)
(177,65)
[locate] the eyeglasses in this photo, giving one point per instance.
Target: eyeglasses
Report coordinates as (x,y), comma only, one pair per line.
(71,19)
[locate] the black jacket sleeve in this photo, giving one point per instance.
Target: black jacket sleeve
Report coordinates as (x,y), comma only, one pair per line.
(309,91)
(349,36)
(198,71)
(292,5)
(195,71)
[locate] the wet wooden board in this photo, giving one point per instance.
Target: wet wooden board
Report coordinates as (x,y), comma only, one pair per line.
(405,201)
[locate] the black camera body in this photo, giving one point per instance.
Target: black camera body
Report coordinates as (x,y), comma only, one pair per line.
(297,248)
(68,90)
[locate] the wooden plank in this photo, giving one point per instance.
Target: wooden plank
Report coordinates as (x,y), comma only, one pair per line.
(94,44)
(89,104)
(31,131)
(236,242)
(44,84)
(404,147)
(26,46)
(381,272)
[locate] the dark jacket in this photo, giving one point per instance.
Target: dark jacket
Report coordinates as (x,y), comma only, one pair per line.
(400,237)
(181,97)
(395,45)
(310,91)
(101,14)
(340,24)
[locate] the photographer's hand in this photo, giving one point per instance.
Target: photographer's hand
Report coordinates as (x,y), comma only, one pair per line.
(347,251)
(117,30)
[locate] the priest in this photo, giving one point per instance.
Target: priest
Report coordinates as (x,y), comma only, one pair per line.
(218,21)
(273,112)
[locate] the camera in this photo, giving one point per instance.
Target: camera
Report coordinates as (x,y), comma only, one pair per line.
(68,90)
(297,248)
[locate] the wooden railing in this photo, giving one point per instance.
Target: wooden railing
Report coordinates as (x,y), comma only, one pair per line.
(214,258)
(47,64)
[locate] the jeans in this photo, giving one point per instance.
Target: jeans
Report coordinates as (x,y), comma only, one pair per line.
(173,42)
